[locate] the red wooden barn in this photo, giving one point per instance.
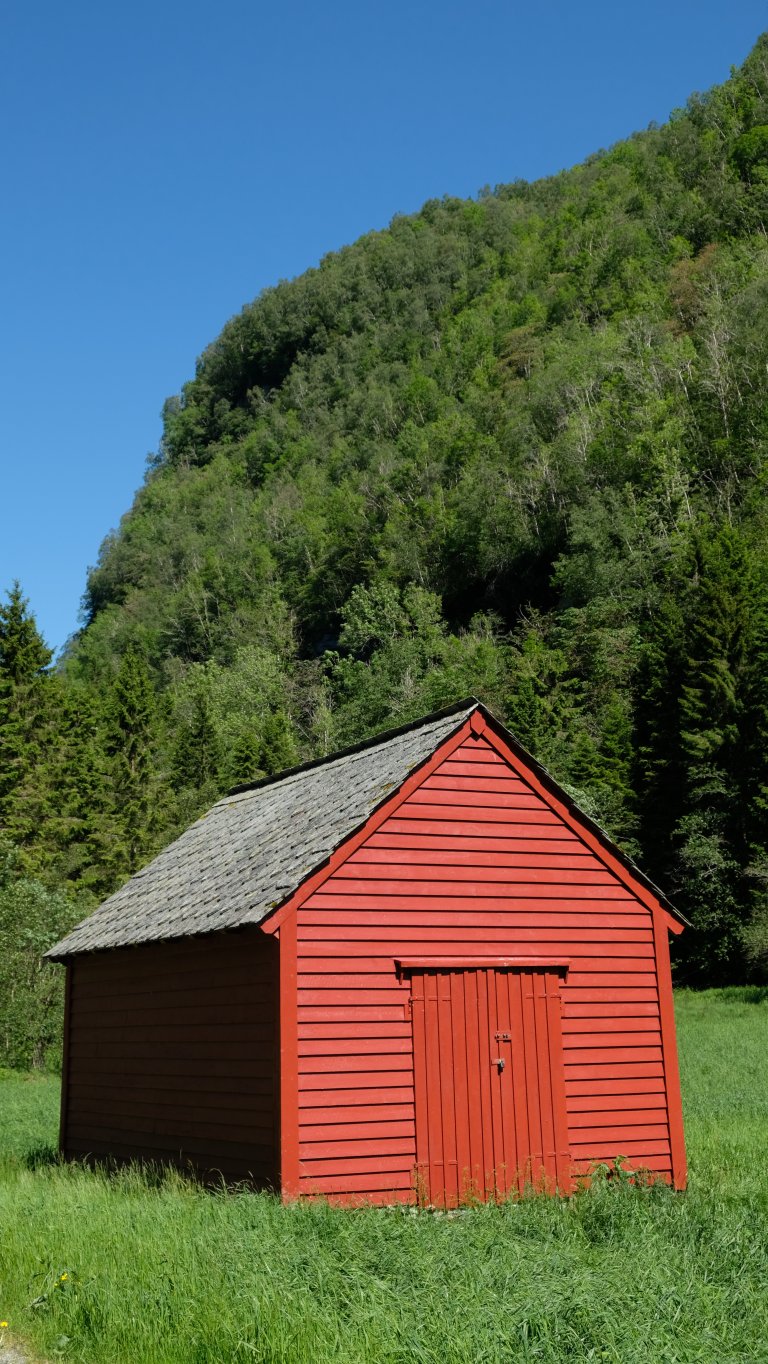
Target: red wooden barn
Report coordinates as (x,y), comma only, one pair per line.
(410,971)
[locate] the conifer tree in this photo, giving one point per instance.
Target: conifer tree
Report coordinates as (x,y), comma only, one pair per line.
(244,760)
(523,712)
(692,724)
(130,744)
(753,761)
(710,830)
(278,744)
(25,720)
(78,836)
(24,654)
(197,751)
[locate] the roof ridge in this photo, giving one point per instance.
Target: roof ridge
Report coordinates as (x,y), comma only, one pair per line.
(383,737)
(251,851)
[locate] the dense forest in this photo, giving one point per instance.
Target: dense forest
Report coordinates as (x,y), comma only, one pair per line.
(515,447)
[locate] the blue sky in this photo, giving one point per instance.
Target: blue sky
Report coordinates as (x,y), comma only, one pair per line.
(162,163)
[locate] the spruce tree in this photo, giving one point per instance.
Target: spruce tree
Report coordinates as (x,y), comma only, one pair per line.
(278,744)
(710,831)
(130,744)
(197,750)
(753,761)
(24,654)
(26,734)
(79,836)
(692,722)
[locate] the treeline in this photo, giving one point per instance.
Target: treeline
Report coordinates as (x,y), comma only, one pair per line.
(514,447)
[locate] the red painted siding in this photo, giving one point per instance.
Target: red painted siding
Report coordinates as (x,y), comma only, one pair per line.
(171,1055)
(473,862)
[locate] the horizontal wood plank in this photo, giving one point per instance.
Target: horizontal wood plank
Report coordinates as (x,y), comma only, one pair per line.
(316,1065)
(417,823)
(464,875)
(474,798)
(387,855)
(350,1183)
(496,840)
(257,1107)
(611,1150)
(326,1081)
(340,1099)
(355,1046)
(510,902)
(384,1167)
(378,1148)
(588,1087)
(355,1027)
(609,1038)
(551,925)
(658,1165)
(616,1070)
(637,1132)
(624,1111)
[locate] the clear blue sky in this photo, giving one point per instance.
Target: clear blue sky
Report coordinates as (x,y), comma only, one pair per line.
(162,163)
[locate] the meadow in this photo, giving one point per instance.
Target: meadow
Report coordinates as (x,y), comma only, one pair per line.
(131,1269)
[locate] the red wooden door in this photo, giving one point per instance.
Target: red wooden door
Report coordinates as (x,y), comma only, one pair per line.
(489,1083)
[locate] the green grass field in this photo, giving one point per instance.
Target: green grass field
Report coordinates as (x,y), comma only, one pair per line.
(121,1270)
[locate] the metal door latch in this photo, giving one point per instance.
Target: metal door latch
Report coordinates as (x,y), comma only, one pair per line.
(503,1036)
(500,1062)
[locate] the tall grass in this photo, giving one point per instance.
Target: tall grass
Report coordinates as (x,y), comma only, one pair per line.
(160,1272)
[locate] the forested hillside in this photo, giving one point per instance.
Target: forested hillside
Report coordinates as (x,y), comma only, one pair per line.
(514,447)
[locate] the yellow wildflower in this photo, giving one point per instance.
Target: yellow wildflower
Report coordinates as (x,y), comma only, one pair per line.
(3,1324)
(63,1277)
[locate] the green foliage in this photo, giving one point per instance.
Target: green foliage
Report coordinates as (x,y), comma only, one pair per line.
(132,1268)
(23,654)
(750,153)
(32,918)
(24,716)
(130,745)
(701,749)
(514,447)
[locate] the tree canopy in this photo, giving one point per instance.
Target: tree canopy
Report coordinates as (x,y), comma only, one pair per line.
(514,446)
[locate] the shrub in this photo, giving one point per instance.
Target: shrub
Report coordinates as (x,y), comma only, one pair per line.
(32,919)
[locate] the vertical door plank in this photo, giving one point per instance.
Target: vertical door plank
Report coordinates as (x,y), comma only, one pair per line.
(494,1083)
(484,1081)
(502,1050)
(519,1086)
(434,1094)
(447,1099)
(464,1174)
(475,1102)
(534,1151)
(548,1172)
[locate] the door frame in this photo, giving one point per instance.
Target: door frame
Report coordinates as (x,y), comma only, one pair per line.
(408,966)
(405,965)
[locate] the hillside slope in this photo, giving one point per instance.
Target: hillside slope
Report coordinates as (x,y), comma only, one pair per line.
(513,447)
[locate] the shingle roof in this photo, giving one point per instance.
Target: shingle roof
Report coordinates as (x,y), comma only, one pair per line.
(256,846)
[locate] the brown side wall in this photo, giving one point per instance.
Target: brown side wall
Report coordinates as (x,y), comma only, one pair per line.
(171,1055)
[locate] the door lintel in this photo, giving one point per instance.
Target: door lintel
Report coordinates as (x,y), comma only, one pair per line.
(405,965)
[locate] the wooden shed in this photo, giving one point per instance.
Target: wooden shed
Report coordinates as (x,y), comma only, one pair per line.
(411,971)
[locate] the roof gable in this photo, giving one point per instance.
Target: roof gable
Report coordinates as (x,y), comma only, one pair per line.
(254,847)
(260,850)
(483,724)
(619,862)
